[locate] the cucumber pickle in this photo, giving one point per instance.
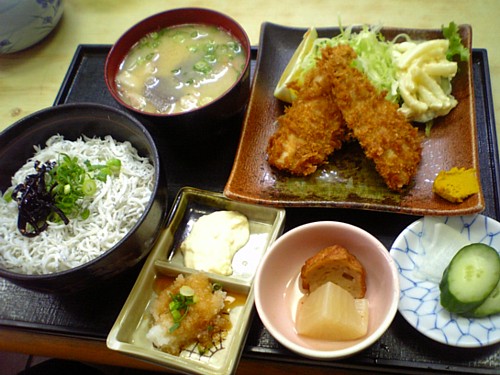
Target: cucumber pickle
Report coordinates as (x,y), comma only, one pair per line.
(470,278)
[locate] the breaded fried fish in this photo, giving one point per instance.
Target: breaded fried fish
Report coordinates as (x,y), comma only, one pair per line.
(309,130)
(384,134)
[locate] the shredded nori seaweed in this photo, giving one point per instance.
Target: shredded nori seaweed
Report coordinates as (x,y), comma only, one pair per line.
(36,202)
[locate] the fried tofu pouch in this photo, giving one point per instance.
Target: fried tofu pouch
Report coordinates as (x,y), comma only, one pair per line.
(337,265)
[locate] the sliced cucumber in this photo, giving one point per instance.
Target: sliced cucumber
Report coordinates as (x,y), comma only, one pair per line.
(470,278)
(490,306)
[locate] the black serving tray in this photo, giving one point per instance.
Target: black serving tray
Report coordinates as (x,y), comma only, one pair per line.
(401,349)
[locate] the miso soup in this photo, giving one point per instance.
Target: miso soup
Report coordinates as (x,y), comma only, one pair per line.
(180,68)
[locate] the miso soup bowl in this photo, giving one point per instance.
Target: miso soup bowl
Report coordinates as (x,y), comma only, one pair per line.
(92,120)
(205,120)
(278,291)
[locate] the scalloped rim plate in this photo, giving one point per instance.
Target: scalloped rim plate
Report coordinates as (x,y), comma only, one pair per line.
(419,299)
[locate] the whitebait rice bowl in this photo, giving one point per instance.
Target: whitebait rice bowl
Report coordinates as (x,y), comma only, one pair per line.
(115,208)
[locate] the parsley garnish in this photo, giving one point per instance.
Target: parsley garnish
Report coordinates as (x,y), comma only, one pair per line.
(456,48)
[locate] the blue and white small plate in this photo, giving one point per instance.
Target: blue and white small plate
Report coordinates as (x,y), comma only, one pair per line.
(419,275)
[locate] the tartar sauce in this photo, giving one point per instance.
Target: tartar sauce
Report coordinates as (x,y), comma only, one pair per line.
(213,241)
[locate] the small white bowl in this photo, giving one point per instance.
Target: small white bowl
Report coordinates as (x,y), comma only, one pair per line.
(277,290)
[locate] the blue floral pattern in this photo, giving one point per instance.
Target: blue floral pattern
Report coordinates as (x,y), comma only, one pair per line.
(45,14)
(45,3)
(419,298)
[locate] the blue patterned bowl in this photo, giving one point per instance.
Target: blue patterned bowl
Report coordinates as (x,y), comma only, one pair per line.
(419,298)
(24,23)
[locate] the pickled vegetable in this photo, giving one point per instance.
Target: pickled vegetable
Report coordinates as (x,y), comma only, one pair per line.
(471,277)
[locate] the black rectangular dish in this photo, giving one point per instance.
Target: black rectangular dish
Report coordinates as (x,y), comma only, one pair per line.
(401,349)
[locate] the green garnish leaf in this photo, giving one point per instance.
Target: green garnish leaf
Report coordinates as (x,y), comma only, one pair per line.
(456,48)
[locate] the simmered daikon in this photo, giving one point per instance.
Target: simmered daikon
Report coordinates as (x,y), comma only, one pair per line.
(332,313)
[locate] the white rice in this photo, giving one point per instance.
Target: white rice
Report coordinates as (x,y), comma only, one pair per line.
(114,210)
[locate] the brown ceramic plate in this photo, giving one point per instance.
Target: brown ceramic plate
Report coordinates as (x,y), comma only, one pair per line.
(349,180)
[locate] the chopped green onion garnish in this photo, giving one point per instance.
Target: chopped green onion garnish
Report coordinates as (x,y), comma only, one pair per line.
(179,306)
(8,194)
(114,165)
(85,214)
(202,67)
(70,181)
(186,291)
(89,187)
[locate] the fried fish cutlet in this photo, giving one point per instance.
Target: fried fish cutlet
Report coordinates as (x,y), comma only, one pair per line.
(385,135)
(309,130)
